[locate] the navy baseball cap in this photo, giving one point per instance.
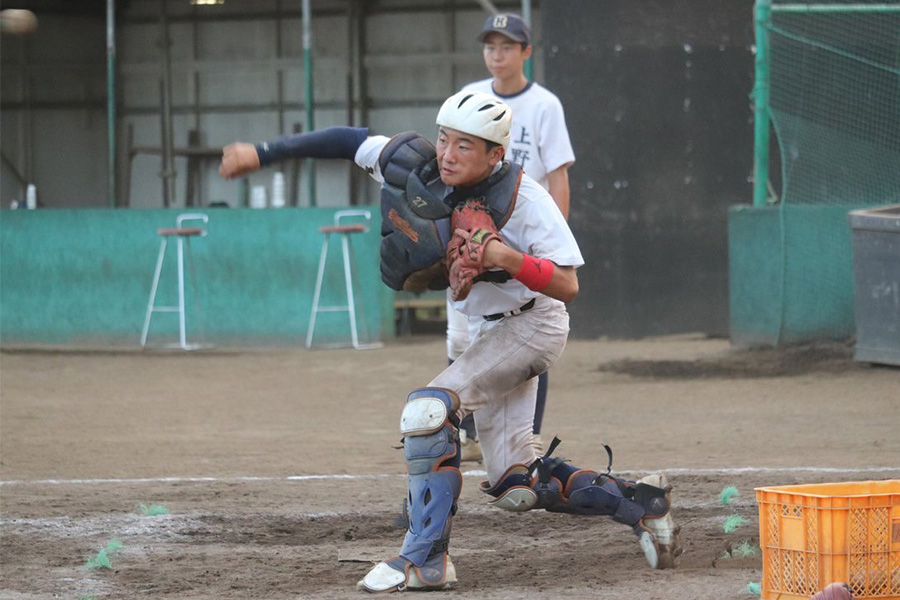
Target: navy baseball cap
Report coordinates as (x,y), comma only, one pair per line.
(512,26)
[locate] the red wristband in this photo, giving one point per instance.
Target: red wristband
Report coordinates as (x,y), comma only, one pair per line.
(535,273)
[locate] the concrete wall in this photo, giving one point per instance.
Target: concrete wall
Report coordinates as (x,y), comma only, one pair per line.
(83,278)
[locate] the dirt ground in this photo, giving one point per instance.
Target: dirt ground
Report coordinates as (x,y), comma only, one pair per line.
(281,479)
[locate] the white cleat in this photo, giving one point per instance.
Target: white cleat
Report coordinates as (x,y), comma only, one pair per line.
(651,551)
(450,578)
(383,578)
(664,532)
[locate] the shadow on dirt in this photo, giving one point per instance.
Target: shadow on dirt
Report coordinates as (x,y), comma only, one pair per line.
(791,361)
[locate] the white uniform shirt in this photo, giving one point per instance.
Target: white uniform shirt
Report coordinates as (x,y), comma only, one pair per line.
(539,138)
(536,227)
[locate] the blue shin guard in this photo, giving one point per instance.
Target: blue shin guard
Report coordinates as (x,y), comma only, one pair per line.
(556,486)
(584,493)
(431,447)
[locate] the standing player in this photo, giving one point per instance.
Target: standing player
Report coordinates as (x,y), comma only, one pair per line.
(506,228)
(539,143)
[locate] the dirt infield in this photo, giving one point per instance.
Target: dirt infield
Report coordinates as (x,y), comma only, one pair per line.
(281,479)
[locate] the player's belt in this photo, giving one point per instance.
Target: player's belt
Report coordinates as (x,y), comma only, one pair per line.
(524,308)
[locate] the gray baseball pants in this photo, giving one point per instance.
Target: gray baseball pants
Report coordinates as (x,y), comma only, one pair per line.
(496,378)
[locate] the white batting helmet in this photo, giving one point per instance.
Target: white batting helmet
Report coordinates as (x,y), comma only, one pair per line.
(478,114)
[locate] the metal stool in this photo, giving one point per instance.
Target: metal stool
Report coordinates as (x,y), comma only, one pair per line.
(349,265)
(183,237)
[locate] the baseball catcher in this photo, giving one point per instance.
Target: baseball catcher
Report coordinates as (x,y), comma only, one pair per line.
(468,219)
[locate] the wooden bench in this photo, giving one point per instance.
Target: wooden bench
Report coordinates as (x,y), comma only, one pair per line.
(427,306)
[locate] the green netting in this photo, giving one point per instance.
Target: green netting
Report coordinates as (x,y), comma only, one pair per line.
(835,101)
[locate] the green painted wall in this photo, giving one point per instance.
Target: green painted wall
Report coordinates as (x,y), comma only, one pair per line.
(83,277)
(790,274)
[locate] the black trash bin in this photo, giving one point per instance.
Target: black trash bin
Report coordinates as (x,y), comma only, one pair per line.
(876,275)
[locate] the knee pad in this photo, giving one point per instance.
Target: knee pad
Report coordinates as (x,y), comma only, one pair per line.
(521,489)
(513,492)
(431,448)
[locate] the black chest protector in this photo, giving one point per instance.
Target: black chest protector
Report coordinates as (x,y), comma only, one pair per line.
(416,208)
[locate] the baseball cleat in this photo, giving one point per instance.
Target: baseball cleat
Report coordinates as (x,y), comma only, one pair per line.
(661,547)
(449,578)
(382,578)
(385,578)
(648,546)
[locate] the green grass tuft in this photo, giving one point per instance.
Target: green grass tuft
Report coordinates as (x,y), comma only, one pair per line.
(733,522)
(101,561)
(745,549)
(728,494)
(154,510)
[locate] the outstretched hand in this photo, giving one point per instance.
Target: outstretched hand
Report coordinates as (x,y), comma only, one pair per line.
(238,159)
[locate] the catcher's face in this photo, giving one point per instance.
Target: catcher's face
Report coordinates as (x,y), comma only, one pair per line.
(464,159)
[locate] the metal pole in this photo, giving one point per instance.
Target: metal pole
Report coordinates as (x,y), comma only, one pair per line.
(488,6)
(761,104)
(182,321)
(197,172)
(279,72)
(168,174)
(352,11)
(308,72)
(836,8)
(526,16)
(111,102)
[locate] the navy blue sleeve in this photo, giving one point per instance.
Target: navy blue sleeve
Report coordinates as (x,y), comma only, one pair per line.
(333,142)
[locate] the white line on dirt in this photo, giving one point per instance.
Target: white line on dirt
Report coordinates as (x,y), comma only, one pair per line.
(472,473)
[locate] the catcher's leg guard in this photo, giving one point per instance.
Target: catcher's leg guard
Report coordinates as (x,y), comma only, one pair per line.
(431,448)
(557,486)
(644,505)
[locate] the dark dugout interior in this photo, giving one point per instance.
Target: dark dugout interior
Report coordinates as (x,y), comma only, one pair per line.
(657,97)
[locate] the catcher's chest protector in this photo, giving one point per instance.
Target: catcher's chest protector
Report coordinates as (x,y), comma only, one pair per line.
(415,215)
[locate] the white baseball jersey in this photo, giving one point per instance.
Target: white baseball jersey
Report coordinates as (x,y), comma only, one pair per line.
(539,138)
(536,227)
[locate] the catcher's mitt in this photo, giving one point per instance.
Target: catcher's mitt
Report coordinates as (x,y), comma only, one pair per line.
(473,227)
(835,591)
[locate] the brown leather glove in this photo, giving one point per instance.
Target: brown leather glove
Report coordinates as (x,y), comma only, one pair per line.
(473,227)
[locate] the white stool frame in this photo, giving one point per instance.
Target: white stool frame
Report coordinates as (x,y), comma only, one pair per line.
(348,281)
(180,308)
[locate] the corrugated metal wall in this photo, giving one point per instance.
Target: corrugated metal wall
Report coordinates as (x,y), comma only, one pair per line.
(237,73)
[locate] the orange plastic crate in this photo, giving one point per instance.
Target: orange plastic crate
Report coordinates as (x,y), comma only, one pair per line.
(813,535)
